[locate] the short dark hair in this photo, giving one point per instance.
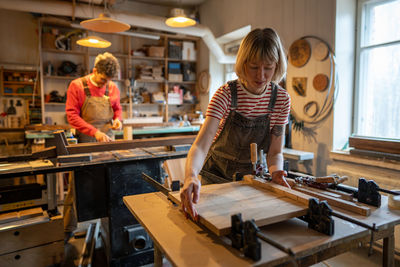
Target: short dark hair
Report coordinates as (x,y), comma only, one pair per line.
(106,64)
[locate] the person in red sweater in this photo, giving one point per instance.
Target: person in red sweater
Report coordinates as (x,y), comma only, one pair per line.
(93,102)
(93,108)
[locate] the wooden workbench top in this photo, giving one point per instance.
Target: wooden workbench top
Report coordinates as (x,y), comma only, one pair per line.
(186,243)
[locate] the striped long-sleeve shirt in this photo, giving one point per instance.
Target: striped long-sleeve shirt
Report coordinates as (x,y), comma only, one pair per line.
(249,105)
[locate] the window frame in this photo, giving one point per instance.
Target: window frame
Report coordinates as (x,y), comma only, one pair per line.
(362,16)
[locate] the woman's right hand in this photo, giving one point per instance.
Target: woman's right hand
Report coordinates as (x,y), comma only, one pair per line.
(190,195)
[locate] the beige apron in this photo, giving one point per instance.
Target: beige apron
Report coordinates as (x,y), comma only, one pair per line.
(97,111)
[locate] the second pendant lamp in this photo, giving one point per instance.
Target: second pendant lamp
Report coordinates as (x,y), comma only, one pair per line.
(179,19)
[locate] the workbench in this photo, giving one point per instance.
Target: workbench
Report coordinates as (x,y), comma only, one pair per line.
(185,243)
(100,185)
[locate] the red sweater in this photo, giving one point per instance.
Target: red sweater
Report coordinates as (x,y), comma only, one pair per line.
(76,97)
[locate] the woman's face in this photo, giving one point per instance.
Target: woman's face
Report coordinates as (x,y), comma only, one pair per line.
(258,75)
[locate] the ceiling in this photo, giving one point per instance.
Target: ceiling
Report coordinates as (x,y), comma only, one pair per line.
(168,3)
(186,3)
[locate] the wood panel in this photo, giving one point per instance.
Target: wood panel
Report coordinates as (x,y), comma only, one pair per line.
(219,201)
(374,144)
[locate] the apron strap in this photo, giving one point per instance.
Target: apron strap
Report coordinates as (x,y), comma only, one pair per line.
(233,87)
(274,93)
(85,86)
(106,92)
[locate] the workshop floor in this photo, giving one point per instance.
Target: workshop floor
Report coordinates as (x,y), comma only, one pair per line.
(359,256)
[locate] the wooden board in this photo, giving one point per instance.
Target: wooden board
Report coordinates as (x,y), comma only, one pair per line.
(357,208)
(219,201)
(175,169)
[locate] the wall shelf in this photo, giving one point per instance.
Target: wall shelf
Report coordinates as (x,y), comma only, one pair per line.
(60,77)
(57,51)
(122,49)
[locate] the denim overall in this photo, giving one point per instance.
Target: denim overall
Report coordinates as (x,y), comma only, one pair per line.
(230,152)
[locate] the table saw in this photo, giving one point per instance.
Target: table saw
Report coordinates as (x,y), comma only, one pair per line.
(102,177)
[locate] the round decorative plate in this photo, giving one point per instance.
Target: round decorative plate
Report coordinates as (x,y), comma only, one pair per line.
(299,53)
(204,82)
(320,82)
(320,51)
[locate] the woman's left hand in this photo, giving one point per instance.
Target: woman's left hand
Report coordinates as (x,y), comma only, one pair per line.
(278,177)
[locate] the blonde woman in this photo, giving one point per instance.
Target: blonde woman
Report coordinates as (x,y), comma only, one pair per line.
(251,109)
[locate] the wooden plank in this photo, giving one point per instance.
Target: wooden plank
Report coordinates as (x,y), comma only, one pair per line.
(219,201)
(297,154)
(175,169)
(349,206)
(375,144)
(130,144)
(278,189)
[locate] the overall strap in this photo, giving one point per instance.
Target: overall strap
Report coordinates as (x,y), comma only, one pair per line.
(233,87)
(85,86)
(106,92)
(274,94)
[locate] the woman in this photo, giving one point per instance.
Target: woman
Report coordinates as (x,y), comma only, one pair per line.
(252,109)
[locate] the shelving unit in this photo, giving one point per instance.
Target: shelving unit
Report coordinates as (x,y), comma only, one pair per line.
(122,48)
(19,89)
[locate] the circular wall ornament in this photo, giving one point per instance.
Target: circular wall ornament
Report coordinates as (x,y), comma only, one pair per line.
(299,53)
(320,82)
(320,51)
(204,82)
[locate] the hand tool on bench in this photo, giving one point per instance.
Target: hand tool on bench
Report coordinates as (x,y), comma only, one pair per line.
(175,186)
(62,147)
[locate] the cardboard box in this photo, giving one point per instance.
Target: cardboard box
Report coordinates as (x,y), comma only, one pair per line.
(175,77)
(155,51)
(175,99)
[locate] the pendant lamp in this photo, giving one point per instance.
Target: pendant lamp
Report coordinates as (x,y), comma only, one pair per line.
(178,19)
(104,23)
(94,41)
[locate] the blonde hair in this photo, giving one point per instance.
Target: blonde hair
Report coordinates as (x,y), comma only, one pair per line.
(261,45)
(106,64)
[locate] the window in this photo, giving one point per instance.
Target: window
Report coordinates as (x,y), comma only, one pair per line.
(230,73)
(377,98)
